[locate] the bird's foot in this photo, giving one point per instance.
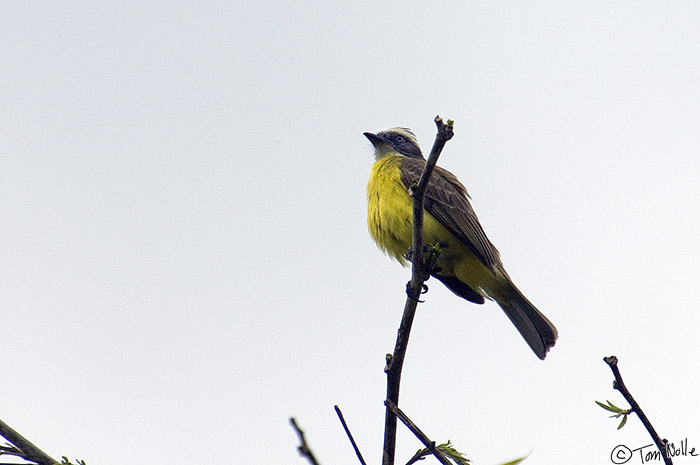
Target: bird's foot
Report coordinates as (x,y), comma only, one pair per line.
(415,294)
(431,256)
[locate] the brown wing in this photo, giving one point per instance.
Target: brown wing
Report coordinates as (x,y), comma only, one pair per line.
(447,200)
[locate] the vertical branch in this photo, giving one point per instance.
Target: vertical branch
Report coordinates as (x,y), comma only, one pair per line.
(620,386)
(413,289)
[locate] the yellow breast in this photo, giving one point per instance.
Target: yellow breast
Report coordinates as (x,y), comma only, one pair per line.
(389,208)
(390,223)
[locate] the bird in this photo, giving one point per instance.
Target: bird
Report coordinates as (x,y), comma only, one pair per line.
(467,263)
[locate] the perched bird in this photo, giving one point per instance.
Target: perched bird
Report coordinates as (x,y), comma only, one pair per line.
(467,263)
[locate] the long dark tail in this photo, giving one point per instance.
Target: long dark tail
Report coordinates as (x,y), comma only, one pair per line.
(539,333)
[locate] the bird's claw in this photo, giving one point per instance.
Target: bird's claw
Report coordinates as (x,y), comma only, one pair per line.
(416,295)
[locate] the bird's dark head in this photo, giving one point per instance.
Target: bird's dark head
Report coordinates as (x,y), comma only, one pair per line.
(394,140)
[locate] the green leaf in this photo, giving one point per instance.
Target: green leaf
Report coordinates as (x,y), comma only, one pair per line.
(453,453)
(515,462)
(611,407)
(447,449)
(615,407)
(622,423)
(420,455)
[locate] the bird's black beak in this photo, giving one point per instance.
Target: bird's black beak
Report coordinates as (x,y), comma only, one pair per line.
(373,138)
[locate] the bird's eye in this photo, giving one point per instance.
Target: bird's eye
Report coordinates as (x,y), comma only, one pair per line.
(398,139)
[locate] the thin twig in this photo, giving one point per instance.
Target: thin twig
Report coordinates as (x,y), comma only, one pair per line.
(620,386)
(419,273)
(30,452)
(11,450)
(303,448)
(430,445)
(418,277)
(347,431)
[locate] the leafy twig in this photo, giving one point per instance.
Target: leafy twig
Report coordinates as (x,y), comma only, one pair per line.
(447,449)
(617,412)
(620,386)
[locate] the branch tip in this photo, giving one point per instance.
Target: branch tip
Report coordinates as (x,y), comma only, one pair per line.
(619,385)
(303,447)
(347,431)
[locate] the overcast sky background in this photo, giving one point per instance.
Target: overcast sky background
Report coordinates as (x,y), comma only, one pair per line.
(185,260)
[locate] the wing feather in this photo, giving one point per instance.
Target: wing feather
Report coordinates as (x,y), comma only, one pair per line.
(448,201)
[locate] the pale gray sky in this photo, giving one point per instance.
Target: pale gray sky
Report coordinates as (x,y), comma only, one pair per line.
(184,248)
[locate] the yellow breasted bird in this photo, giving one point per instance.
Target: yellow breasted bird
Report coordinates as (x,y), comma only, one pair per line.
(468,263)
